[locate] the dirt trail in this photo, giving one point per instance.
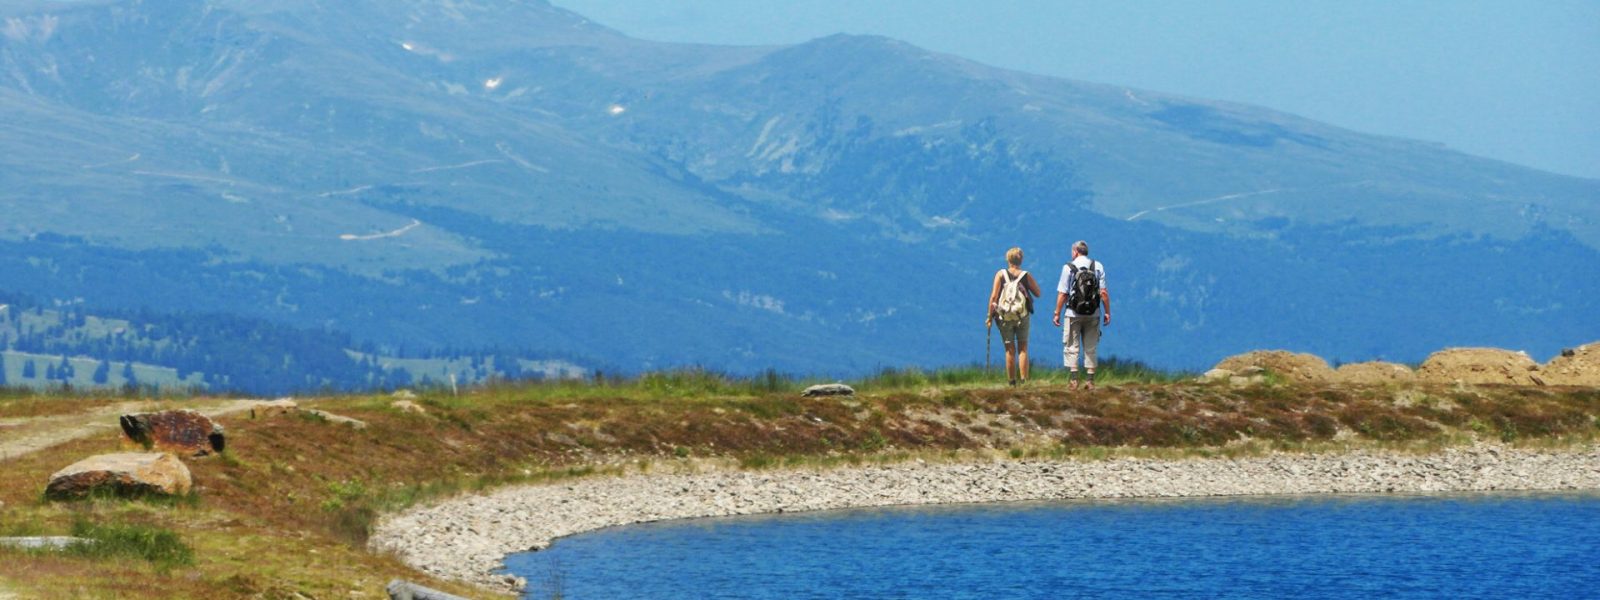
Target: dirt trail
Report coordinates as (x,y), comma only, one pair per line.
(20,436)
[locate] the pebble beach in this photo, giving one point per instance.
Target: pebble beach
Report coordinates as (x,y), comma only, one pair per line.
(466,538)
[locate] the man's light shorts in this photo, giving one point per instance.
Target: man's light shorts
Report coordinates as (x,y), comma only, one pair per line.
(1081,335)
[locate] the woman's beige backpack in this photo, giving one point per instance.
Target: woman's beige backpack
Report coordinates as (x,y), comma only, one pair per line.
(1013,304)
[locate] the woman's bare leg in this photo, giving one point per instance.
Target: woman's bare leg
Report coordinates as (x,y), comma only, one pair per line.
(1011,362)
(1022,360)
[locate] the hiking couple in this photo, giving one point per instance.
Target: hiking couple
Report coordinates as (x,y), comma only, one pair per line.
(1080,293)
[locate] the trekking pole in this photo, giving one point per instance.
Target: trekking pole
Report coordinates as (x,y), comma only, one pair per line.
(988,337)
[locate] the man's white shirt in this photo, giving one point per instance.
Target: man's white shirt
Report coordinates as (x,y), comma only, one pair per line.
(1065,286)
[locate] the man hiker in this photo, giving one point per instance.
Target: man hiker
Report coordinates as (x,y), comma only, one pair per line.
(1082,292)
(1011,303)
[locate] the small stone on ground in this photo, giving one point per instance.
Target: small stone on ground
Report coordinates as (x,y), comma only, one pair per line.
(336,419)
(42,542)
(829,389)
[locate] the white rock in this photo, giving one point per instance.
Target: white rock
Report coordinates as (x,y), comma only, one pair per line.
(829,389)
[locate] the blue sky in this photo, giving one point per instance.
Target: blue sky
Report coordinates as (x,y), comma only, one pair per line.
(1517,81)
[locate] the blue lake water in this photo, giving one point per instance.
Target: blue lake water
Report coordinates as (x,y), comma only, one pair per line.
(1453,546)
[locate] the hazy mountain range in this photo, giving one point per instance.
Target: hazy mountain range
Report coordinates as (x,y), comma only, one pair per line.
(428,174)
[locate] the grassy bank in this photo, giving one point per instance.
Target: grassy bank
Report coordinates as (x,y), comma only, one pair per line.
(287,509)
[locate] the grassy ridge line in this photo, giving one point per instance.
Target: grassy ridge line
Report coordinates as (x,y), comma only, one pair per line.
(697,382)
(674,383)
(288,508)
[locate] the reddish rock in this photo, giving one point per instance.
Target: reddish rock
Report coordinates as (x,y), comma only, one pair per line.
(184,432)
(125,474)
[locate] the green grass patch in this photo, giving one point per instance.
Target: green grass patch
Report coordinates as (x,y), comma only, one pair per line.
(159,546)
(21,528)
(698,384)
(759,461)
(1110,370)
(105,496)
(676,384)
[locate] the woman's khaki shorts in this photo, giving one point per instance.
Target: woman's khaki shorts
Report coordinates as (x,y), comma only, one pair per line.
(1011,332)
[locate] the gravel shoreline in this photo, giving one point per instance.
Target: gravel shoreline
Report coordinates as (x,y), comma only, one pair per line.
(467,538)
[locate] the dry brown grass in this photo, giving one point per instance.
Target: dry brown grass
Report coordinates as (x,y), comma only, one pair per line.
(289,506)
(45,406)
(240,553)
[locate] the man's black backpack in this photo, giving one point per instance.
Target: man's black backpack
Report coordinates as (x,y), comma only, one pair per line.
(1084,297)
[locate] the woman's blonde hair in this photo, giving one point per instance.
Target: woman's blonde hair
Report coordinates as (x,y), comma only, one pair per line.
(1014,257)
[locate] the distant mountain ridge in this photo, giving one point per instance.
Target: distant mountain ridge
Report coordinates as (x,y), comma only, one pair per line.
(446,174)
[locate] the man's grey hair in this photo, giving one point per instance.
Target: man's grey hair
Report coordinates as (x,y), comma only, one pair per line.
(1081,247)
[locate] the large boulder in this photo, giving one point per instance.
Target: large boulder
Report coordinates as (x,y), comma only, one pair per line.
(184,432)
(1480,366)
(1374,372)
(124,474)
(1292,366)
(1575,366)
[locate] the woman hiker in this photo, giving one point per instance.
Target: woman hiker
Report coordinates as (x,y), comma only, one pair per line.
(1011,304)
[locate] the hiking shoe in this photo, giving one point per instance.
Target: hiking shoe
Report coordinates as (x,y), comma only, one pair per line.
(1013,383)
(1073,385)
